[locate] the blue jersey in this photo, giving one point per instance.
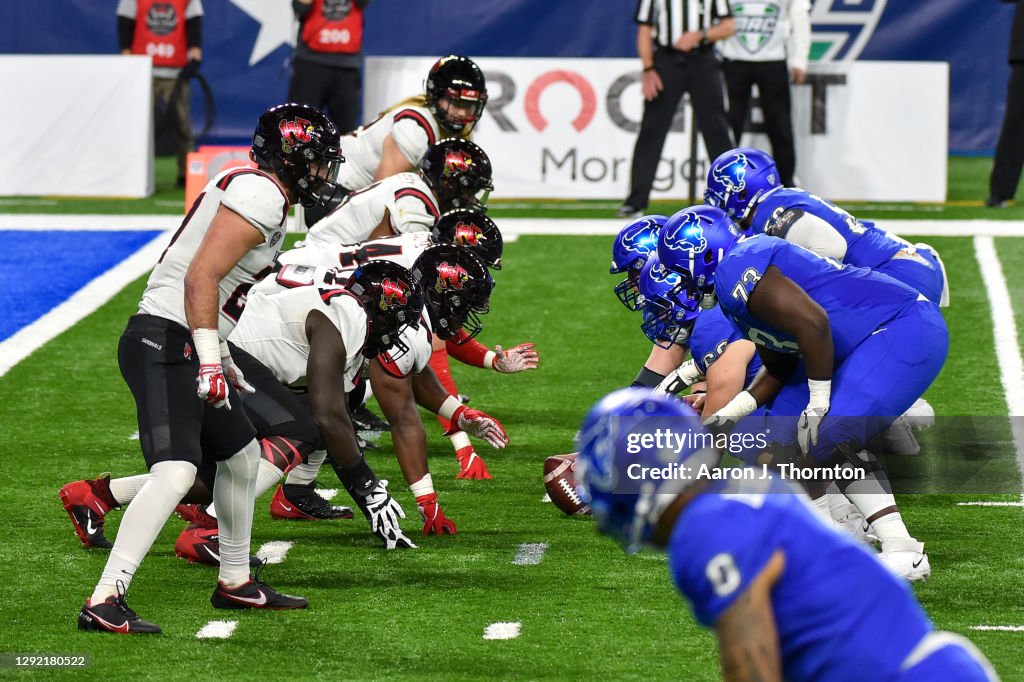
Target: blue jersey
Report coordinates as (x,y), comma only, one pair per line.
(858,302)
(840,615)
(867,246)
(712,333)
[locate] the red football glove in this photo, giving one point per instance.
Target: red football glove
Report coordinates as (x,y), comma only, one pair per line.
(434,520)
(473,466)
(213,387)
(480,425)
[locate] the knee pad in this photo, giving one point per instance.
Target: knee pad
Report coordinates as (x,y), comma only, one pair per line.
(284,453)
(175,477)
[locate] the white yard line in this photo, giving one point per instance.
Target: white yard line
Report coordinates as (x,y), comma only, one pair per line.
(90,297)
(530,553)
(502,630)
(999,628)
(274,552)
(990,504)
(217,629)
(1011,367)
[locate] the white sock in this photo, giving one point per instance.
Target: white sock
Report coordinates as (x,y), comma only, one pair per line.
(839,506)
(305,473)
(234,492)
(820,506)
(143,520)
(460,439)
(871,496)
(125,489)
(267,477)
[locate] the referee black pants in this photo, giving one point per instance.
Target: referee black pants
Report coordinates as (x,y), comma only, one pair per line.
(772,81)
(1006,168)
(699,74)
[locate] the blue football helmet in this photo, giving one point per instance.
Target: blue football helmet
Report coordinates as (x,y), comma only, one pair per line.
(738,179)
(634,243)
(692,244)
(627,508)
(665,322)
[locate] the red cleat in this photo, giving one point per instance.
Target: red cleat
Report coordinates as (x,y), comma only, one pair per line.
(87,503)
(301,502)
(202,546)
(196,514)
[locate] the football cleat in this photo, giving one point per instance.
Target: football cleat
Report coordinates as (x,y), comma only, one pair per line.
(301,502)
(254,594)
(920,415)
(196,514)
(848,519)
(87,503)
(114,615)
(905,558)
(200,545)
(365,420)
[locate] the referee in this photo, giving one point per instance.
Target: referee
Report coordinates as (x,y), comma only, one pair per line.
(674,40)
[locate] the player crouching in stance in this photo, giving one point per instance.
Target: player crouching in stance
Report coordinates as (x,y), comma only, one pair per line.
(783,592)
(226,243)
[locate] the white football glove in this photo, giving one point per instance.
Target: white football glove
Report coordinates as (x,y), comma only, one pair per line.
(679,378)
(383,512)
(733,411)
(481,425)
(810,418)
(515,359)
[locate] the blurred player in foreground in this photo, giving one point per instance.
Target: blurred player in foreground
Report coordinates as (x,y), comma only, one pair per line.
(786,596)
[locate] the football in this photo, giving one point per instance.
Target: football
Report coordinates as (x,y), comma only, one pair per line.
(560,482)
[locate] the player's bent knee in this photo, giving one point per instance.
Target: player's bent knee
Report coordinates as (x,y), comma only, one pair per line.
(176,477)
(285,453)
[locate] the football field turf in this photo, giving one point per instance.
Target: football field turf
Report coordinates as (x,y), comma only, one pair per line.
(585,609)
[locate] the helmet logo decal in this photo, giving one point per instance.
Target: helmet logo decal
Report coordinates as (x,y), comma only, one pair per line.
(392,293)
(644,240)
(661,274)
(732,173)
(456,161)
(686,235)
(450,277)
(468,234)
(295,130)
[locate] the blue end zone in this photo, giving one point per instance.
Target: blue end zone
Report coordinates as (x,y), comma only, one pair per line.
(41,270)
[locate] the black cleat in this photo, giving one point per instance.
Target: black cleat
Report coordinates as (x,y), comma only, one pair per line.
(114,615)
(297,501)
(254,594)
(365,420)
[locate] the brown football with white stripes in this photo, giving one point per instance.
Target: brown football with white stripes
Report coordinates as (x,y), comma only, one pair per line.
(560,482)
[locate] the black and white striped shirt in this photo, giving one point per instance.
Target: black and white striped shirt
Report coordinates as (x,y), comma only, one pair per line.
(673,18)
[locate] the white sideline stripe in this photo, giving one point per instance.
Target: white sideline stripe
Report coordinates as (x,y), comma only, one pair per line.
(510,227)
(530,553)
(217,629)
(327,493)
(990,504)
(999,628)
(82,303)
(274,552)
(502,630)
(1011,367)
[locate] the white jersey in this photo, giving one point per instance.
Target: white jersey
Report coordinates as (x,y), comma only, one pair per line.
(342,258)
(273,329)
(404,199)
(250,193)
(770,32)
(413,129)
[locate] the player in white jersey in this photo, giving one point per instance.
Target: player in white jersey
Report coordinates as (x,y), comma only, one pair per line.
(454,173)
(227,241)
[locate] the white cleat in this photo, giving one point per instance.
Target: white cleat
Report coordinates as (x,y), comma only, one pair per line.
(921,414)
(905,558)
(850,521)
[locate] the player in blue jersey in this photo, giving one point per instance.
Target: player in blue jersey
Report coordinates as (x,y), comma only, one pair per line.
(870,347)
(634,243)
(786,596)
(744,182)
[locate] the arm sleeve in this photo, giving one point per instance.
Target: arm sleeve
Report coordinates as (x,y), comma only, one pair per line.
(125,32)
(721,9)
(712,568)
(470,352)
(810,232)
(301,9)
(644,12)
(257,199)
(799,44)
(413,134)
(363,4)
(194,31)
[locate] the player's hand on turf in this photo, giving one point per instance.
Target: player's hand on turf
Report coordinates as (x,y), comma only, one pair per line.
(213,386)
(516,359)
(480,425)
(733,411)
(679,378)
(234,374)
(383,512)
(473,467)
(434,520)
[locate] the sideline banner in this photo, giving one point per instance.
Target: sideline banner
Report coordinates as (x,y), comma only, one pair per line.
(565,128)
(76,126)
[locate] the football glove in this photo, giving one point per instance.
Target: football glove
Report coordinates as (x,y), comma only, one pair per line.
(679,378)
(434,520)
(479,425)
(213,386)
(516,359)
(234,374)
(810,419)
(383,512)
(733,411)
(473,467)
